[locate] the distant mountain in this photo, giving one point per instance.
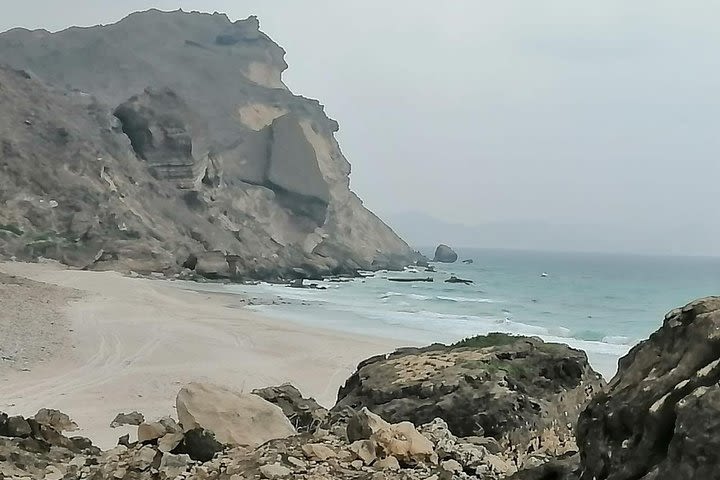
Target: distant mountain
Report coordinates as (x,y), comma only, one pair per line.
(169,140)
(423,231)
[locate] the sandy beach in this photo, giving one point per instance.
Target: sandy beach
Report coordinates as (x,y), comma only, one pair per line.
(101,343)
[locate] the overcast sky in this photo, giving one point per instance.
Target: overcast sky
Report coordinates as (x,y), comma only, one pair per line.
(559,112)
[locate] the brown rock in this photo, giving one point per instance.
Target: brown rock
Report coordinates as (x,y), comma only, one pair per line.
(55,419)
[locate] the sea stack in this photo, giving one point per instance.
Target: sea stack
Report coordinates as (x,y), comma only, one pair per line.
(445,254)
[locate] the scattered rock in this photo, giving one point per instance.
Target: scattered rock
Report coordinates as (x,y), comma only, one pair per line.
(55,419)
(388,463)
(318,451)
(274,470)
(17,427)
(133,418)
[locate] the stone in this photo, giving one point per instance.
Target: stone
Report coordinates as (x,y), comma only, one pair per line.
(318,451)
(274,470)
(363,424)
(17,426)
(296,462)
(134,418)
(658,419)
(445,254)
(55,419)
(169,441)
(234,418)
(200,445)
(305,414)
(452,466)
(405,443)
(143,458)
(365,450)
(173,465)
(388,463)
(148,432)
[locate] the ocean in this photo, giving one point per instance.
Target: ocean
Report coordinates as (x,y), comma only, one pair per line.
(601,303)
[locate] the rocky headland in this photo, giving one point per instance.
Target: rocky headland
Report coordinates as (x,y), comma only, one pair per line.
(489,407)
(168,142)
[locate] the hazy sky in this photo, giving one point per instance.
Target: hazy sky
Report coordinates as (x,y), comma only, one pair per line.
(560,112)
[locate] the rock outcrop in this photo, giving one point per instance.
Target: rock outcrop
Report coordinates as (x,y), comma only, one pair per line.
(445,254)
(524,393)
(659,417)
(235,419)
(118,155)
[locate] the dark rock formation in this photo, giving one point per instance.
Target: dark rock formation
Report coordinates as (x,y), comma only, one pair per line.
(454,279)
(411,279)
(519,390)
(156,123)
(468,261)
(133,418)
(305,414)
(659,417)
(220,157)
(445,254)
(562,468)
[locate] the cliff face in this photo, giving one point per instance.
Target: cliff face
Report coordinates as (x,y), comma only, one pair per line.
(192,138)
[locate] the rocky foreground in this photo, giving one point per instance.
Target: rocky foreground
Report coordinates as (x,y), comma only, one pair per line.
(490,407)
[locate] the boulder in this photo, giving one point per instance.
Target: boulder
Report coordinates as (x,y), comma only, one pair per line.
(659,417)
(401,440)
(55,419)
(520,391)
(199,444)
(364,424)
(213,265)
(150,432)
(17,426)
(234,418)
(445,254)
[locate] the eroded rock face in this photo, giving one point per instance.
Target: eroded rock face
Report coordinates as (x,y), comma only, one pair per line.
(235,419)
(519,390)
(659,418)
(157,124)
(445,254)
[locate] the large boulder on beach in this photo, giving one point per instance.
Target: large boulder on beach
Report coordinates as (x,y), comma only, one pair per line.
(524,393)
(445,254)
(235,418)
(659,417)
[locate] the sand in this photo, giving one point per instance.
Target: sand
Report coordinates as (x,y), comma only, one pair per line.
(101,343)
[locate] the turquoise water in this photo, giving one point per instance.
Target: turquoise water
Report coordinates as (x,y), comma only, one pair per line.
(603,304)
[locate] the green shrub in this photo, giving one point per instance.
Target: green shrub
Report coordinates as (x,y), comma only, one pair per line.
(483,341)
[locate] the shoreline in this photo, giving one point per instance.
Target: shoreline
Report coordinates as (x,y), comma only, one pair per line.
(134,342)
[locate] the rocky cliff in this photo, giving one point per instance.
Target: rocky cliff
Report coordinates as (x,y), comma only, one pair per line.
(169,139)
